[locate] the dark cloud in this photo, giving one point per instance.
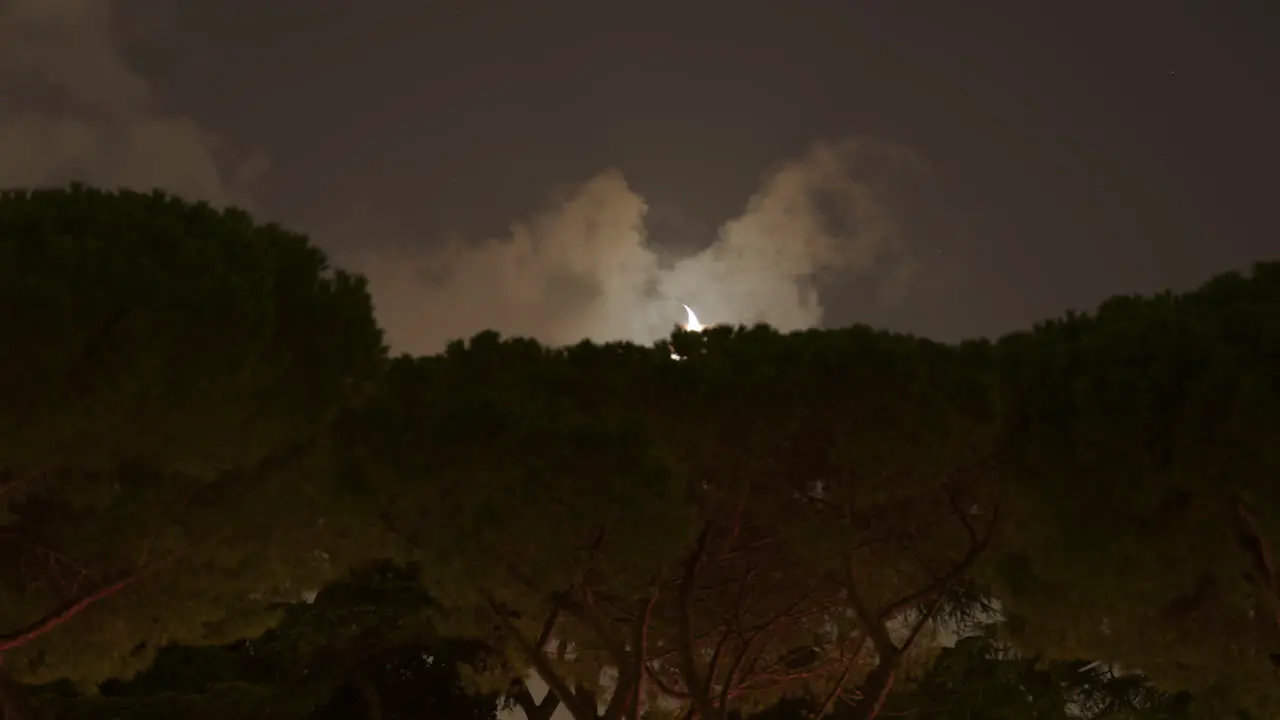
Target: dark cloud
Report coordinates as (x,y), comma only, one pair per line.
(87,115)
(76,109)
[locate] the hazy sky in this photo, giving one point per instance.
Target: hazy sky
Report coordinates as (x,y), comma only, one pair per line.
(577,169)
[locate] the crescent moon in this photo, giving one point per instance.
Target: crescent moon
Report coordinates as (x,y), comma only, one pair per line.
(692,323)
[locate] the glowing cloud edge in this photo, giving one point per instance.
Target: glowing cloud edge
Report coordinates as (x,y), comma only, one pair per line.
(692,324)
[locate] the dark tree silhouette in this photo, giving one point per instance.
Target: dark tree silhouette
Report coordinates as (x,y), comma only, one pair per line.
(198,423)
(168,377)
(1147,505)
(364,648)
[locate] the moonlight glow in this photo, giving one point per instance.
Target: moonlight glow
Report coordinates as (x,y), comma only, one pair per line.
(692,324)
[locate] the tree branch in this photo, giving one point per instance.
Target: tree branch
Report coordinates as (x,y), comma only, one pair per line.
(535,710)
(544,668)
(875,690)
(829,702)
(641,642)
(873,626)
(587,612)
(1263,559)
(876,686)
(628,690)
(693,683)
(548,627)
(22,636)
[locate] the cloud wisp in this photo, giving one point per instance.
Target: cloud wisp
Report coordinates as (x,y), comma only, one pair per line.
(86,115)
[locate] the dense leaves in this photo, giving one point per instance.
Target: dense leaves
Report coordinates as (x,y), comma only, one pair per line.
(168,378)
(142,328)
(1147,460)
(978,678)
(610,501)
(197,423)
(363,648)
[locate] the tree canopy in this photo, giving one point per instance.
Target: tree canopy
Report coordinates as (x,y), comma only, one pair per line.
(752,521)
(364,647)
(1148,504)
(141,328)
(199,423)
(169,375)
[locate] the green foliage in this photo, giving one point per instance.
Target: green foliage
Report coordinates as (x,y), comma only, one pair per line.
(169,376)
(232,701)
(1146,494)
(979,680)
(198,406)
(526,478)
(483,454)
(142,328)
(365,642)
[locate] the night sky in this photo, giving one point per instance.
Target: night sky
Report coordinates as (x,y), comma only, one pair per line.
(946,168)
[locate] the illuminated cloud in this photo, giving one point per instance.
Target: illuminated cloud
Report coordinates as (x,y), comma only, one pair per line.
(584,267)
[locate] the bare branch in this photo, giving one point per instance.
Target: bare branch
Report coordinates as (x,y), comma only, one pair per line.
(18,638)
(540,663)
(536,710)
(548,627)
(695,685)
(872,624)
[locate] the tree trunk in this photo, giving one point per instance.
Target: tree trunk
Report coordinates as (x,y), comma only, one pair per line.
(536,710)
(48,623)
(372,698)
(875,690)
